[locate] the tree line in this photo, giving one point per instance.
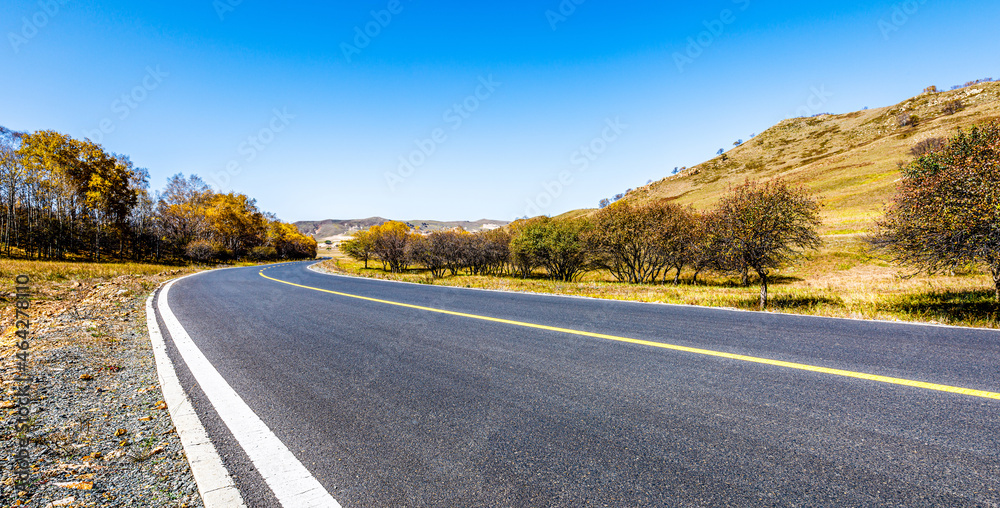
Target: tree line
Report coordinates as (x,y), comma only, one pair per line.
(946,215)
(64,198)
(757,228)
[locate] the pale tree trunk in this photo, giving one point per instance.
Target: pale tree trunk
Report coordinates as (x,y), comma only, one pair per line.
(763,289)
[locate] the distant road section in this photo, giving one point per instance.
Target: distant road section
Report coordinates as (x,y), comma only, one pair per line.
(393,394)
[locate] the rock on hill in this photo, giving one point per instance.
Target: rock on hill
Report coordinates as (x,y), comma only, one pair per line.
(322,230)
(851,161)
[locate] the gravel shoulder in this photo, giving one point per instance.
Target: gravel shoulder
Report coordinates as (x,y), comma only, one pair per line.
(99,431)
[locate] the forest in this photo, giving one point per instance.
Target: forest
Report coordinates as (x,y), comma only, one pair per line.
(68,199)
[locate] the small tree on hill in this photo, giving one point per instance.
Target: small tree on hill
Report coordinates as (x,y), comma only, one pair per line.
(952,107)
(947,210)
(927,146)
(763,226)
(905,120)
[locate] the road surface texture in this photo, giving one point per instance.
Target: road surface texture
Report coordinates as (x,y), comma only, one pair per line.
(395,405)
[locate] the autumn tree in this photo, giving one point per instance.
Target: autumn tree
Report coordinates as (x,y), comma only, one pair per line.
(389,242)
(522,259)
(288,242)
(677,236)
(12,176)
(707,250)
(764,225)
(625,239)
(109,192)
(235,223)
(432,251)
(947,210)
(359,247)
(485,252)
(557,245)
(182,207)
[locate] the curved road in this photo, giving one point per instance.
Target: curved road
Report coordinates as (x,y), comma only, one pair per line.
(502,401)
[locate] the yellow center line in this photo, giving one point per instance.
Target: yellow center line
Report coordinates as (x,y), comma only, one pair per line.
(673,347)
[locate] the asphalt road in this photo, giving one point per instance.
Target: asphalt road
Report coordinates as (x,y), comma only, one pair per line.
(396,406)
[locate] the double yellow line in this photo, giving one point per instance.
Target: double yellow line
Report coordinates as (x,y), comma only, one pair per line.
(673,347)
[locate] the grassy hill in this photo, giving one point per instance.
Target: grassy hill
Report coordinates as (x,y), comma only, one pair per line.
(851,161)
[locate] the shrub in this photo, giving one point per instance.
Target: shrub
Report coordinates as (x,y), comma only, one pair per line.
(202,251)
(952,107)
(905,120)
(927,146)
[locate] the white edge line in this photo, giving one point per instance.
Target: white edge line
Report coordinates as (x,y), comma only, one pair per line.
(637,302)
(216,487)
(292,484)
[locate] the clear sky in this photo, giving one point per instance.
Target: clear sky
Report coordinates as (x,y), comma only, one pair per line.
(490,102)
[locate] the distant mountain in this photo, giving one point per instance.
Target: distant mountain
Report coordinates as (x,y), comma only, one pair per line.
(322,230)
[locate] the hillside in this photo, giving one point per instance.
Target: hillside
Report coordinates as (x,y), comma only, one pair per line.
(851,161)
(323,230)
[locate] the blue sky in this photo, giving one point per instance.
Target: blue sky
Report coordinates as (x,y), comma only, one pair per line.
(500,109)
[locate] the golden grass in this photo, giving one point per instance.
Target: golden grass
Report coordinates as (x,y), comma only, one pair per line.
(49,271)
(841,280)
(50,280)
